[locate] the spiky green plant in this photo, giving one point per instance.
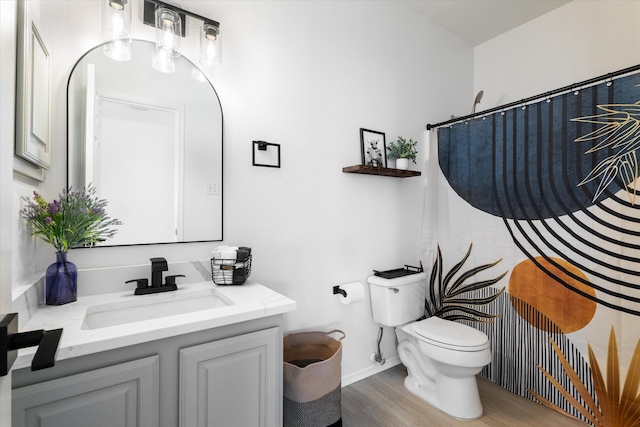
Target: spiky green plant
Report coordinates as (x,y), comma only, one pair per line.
(446,294)
(613,408)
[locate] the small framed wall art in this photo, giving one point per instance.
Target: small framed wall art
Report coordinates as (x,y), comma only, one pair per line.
(374,148)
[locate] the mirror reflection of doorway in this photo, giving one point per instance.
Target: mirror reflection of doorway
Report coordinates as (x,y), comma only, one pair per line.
(143,144)
(200,117)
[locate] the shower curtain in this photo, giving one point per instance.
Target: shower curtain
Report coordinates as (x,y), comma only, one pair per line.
(546,193)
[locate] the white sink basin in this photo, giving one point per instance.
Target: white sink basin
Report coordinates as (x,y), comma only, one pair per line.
(144,307)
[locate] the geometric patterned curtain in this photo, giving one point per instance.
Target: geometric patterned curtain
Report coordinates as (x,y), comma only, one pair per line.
(562,174)
(549,188)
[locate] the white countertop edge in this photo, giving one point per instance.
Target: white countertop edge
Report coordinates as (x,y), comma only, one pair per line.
(251,301)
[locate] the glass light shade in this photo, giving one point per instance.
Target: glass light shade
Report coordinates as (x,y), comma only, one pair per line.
(168,31)
(210,46)
(163,61)
(119,50)
(116,19)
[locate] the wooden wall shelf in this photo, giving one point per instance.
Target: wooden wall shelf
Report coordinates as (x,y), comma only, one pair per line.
(371,170)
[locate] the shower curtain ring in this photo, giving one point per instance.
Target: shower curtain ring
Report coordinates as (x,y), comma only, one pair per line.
(609,80)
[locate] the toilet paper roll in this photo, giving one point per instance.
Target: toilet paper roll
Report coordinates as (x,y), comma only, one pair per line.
(355,293)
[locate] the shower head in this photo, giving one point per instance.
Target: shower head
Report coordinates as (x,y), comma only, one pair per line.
(477,101)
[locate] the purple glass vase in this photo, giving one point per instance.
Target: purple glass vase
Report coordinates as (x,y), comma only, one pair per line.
(61,284)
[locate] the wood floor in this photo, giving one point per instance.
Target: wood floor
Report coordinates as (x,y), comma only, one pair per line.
(382,401)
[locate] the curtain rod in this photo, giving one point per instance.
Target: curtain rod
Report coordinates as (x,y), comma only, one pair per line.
(534,98)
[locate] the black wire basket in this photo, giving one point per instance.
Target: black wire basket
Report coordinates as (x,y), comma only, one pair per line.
(230,271)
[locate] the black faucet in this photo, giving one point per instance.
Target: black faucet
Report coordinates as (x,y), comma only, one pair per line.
(158,265)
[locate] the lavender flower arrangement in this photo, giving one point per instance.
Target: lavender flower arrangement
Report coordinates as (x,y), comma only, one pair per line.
(77,218)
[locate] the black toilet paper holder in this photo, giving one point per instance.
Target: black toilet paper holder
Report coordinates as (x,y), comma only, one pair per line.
(337,290)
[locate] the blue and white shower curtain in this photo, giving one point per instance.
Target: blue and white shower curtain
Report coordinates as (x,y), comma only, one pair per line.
(548,191)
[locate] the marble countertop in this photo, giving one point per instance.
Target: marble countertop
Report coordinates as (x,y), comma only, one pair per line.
(248,302)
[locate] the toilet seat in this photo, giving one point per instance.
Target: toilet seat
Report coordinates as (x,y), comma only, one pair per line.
(450,335)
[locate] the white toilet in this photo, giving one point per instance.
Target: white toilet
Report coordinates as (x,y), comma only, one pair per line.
(442,357)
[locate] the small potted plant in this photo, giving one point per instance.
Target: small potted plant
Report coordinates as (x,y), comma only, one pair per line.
(403,151)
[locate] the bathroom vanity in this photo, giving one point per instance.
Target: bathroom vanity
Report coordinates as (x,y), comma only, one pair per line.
(203,355)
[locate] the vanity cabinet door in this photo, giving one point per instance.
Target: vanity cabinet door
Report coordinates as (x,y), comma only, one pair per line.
(233,382)
(123,395)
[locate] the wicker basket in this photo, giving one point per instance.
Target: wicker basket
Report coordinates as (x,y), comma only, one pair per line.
(312,379)
(230,272)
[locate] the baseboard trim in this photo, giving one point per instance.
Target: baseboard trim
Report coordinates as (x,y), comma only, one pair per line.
(367,372)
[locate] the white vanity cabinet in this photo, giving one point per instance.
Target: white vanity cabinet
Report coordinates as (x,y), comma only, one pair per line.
(122,395)
(227,376)
(231,382)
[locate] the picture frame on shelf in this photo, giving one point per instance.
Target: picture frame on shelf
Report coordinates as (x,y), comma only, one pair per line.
(373,147)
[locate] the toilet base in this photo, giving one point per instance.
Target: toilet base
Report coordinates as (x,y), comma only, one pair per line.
(440,398)
(456,396)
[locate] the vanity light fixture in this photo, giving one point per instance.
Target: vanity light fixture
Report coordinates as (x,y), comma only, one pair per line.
(170,23)
(116,26)
(168,32)
(210,46)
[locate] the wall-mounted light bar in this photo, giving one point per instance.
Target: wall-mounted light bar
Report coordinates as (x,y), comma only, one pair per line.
(170,25)
(150,7)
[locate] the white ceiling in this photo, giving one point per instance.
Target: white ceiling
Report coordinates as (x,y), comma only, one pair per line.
(477,21)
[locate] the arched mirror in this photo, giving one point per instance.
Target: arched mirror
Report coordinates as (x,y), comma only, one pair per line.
(150,143)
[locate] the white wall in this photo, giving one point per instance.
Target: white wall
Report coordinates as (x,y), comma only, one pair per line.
(306,75)
(7,119)
(576,42)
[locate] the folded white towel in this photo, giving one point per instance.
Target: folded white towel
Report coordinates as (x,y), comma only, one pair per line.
(222,274)
(225,255)
(225,248)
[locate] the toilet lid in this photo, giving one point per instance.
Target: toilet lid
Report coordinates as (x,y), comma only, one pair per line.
(449,334)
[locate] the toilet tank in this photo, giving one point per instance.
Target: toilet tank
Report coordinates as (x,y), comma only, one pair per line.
(397,301)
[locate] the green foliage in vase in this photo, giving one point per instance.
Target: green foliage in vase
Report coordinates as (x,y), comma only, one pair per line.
(403,149)
(77,218)
(446,297)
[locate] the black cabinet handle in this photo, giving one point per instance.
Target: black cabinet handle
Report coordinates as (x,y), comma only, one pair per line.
(11,341)
(45,356)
